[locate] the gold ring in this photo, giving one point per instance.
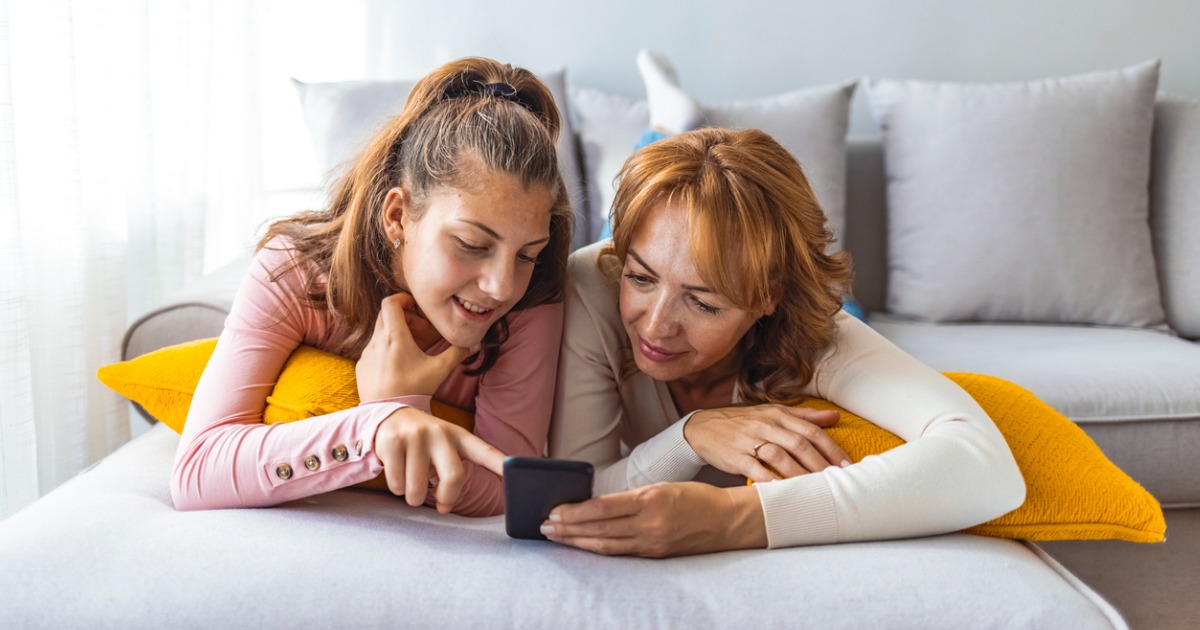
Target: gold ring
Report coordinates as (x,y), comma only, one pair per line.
(754,453)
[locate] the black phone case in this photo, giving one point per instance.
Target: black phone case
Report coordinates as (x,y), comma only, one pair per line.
(533,487)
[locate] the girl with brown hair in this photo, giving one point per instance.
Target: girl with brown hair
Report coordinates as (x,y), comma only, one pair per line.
(438,266)
(688,338)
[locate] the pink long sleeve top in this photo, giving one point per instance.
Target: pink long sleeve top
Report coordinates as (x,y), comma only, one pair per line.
(228,458)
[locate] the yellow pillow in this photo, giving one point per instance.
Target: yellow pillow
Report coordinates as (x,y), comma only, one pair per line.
(1072,490)
(313,383)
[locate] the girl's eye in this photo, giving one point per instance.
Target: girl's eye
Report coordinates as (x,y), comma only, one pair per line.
(469,248)
(529,260)
(711,310)
(637,279)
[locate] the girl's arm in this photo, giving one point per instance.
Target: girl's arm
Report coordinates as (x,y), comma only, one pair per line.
(227,457)
(512,404)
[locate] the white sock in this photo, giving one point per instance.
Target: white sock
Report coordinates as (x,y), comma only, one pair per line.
(671,109)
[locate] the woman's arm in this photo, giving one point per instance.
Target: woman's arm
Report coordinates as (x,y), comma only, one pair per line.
(227,457)
(590,400)
(512,404)
(954,471)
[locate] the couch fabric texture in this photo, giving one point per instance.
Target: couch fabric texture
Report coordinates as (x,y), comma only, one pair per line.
(366,558)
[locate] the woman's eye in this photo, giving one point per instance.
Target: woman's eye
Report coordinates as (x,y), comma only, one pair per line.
(637,279)
(530,260)
(711,310)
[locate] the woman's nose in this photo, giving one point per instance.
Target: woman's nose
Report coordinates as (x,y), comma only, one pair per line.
(661,317)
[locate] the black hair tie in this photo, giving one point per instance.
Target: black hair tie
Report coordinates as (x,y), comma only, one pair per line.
(499,90)
(506,92)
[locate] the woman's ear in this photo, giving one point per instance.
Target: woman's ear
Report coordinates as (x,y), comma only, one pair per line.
(395,204)
(776,294)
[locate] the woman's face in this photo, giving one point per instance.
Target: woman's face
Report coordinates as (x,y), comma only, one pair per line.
(469,256)
(679,328)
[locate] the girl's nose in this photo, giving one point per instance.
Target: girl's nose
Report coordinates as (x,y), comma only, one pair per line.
(498,279)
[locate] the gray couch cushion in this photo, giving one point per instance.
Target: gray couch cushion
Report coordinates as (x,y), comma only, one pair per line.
(810,123)
(1134,391)
(107,549)
(1175,209)
(343,115)
(866,221)
(1021,202)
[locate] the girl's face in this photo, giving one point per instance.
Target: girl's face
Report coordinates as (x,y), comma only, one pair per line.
(679,328)
(469,256)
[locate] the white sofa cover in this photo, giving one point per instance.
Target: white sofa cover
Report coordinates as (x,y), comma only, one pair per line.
(108,550)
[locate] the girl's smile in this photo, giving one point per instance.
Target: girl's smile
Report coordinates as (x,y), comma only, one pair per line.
(476,248)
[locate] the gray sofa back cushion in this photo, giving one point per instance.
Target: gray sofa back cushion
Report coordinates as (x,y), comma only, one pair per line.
(866,221)
(1021,201)
(1175,209)
(1174,213)
(810,123)
(343,115)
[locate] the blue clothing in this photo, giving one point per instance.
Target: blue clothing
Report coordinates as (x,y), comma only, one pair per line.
(649,136)
(855,309)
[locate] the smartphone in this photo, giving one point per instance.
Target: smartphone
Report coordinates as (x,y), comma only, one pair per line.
(533,487)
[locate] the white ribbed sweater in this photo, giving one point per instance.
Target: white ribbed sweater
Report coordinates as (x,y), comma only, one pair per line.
(954,471)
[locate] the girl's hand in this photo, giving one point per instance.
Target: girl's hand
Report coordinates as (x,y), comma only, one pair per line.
(393,364)
(413,444)
(765,442)
(661,520)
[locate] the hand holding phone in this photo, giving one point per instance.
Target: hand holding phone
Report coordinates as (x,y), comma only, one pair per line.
(533,487)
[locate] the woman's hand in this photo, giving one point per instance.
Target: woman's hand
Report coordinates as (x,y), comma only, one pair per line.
(393,364)
(420,451)
(661,520)
(765,442)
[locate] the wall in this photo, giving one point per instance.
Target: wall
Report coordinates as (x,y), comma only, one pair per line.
(723,50)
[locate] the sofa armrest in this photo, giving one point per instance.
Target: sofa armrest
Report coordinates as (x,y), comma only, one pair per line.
(196,312)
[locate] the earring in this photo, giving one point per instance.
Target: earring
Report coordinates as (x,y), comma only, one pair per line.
(397,243)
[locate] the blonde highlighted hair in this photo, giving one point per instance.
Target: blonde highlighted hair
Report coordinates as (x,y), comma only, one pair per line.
(468,114)
(757,236)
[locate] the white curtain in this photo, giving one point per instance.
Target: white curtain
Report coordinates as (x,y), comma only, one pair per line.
(129,164)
